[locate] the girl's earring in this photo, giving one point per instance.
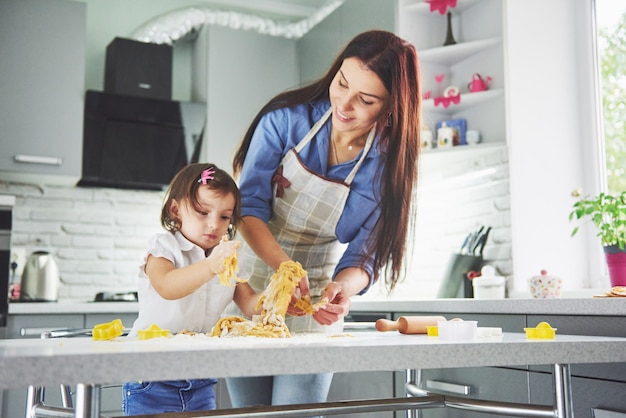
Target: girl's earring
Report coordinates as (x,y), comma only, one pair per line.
(389,121)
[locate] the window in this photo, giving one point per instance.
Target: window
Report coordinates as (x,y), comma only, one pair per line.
(611,47)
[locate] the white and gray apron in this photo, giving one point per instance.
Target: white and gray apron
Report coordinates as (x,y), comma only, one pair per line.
(303,222)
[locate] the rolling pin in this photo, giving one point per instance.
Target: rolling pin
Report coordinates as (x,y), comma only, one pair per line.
(408,324)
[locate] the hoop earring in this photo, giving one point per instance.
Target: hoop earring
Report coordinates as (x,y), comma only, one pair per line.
(389,120)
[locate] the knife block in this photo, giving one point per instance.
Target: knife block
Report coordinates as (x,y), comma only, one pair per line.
(455,282)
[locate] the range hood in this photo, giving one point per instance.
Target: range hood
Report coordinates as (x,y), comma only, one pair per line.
(136,142)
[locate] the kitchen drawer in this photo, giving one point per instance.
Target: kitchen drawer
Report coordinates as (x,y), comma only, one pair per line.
(586,394)
(362,385)
(487,383)
(609,326)
(33,325)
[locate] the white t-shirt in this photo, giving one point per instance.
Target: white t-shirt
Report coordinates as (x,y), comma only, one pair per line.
(198,311)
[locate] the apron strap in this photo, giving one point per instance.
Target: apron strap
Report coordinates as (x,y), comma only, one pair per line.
(318,125)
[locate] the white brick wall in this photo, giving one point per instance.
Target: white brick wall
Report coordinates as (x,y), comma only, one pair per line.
(98,236)
(459,191)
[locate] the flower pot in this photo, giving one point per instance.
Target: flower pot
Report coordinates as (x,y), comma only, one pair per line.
(616,262)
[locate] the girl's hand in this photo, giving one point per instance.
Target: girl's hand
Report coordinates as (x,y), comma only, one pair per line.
(219,253)
(338,305)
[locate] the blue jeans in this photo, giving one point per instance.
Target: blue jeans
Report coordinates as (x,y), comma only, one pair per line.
(279,390)
(168,396)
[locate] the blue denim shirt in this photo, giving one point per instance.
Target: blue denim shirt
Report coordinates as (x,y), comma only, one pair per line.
(281,130)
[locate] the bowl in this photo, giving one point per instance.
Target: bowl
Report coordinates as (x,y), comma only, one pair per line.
(545,286)
(457,330)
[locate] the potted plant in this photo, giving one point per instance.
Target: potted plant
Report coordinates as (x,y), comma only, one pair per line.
(608,213)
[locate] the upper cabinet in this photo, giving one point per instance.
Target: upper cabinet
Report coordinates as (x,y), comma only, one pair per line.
(42,73)
(476,55)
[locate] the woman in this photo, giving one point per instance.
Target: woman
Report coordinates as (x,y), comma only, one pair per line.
(326,174)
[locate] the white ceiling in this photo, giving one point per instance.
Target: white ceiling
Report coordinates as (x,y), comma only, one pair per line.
(276,9)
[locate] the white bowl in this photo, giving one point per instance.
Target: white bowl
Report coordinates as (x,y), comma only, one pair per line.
(457,330)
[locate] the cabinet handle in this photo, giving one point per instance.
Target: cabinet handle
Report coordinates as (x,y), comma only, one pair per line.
(36,159)
(449,387)
(32,332)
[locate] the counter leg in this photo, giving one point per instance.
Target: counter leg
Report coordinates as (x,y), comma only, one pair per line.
(563,406)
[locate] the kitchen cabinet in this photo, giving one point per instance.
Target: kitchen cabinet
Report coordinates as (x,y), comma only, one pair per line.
(318,48)
(42,73)
(477,29)
(233,75)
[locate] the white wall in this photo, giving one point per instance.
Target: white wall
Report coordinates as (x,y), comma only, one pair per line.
(550,135)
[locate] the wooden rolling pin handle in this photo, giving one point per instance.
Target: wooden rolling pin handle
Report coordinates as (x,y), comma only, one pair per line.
(387,325)
(408,324)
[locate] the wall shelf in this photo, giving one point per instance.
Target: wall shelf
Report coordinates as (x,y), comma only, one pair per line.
(467,100)
(451,54)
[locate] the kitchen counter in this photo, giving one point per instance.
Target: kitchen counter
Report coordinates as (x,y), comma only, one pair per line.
(84,362)
(75,360)
(564,306)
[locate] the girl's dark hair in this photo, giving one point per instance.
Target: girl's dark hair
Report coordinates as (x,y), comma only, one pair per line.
(185,185)
(395,62)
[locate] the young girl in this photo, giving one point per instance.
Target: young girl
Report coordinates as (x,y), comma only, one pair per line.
(178,284)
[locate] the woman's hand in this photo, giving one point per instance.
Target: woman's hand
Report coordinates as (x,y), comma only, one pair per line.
(219,253)
(302,290)
(337,307)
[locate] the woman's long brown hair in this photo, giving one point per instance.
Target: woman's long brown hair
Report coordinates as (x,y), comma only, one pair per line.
(395,62)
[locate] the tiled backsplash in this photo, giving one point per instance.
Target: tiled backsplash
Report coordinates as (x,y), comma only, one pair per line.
(98,236)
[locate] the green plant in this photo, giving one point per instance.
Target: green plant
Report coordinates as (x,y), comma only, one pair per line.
(607,212)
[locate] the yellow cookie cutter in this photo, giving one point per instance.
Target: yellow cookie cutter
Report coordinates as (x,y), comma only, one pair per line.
(153,331)
(108,330)
(542,331)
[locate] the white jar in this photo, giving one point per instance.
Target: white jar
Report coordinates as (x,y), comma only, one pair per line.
(488,285)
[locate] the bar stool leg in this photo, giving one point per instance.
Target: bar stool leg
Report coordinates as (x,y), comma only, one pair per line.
(87,401)
(34,397)
(563,406)
(66,396)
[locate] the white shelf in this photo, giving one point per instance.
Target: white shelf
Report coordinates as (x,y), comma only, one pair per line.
(451,54)
(422,7)
(467,100)
(464,149)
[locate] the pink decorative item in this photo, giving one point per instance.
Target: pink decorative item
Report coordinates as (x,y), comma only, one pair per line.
(427,95)
(447,101)
(478,84)
(616,263)
(450,95)
(206,175)
(441,5)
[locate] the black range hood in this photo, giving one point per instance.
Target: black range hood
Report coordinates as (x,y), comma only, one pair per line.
(135,142)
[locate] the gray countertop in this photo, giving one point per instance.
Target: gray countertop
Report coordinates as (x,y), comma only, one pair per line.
(565,306)
(82,360)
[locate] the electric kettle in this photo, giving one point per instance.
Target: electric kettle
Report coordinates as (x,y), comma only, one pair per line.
(40,278)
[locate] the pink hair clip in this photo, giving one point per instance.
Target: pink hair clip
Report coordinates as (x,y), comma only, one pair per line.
(206,175)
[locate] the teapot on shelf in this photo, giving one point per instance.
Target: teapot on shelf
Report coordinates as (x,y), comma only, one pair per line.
(478,84)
